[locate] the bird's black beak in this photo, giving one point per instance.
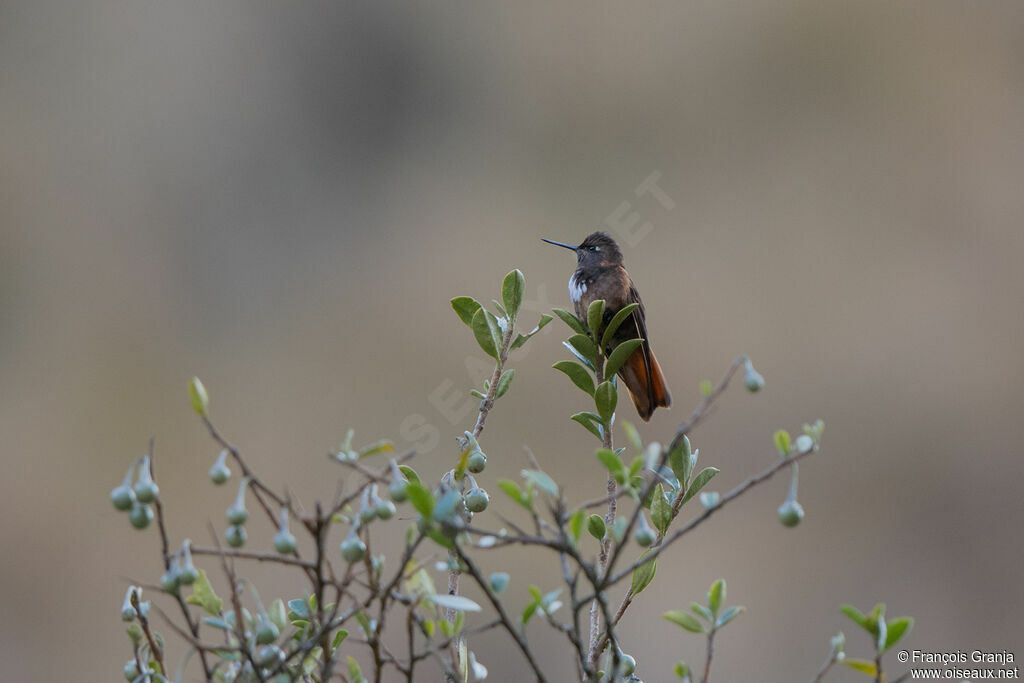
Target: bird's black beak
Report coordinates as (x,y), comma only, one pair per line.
(558,244)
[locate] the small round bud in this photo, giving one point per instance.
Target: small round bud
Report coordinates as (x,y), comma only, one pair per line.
(644,535)
(477,500)
(790,513)
(237,515)
(141,515)
(188,574)
(477,462)
(499,581)
(269,655)
(627,664)
(753,379)
(236,536)
(353,549)
(284,542)
(385,509)
(397,491)
(169,581)
(804,443)
(122,497)
(220,472)
(131,670)
(266,631)
(145,488)
(368,514)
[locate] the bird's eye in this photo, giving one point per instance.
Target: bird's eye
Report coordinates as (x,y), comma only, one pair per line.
(595,249)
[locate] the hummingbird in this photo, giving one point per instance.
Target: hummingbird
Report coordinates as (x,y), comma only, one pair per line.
(599,274)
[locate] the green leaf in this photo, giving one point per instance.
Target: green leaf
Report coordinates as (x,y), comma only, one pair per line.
(466,307)
(339,638)
(728,614)
(299,608)
(382,446)
(504,382)
(681,669)
(422,499)
(701,480)
(455,602)
(613,324)
(354,672)
(611,460)
(523,338)
(855,615)
(200,399)
(605,398)
(620,355)
(512,288)
(591,421)
(862,665)
(661,511)
(541,480)
(578,374)
(569,319)
(446,505)
(643,575)
(512,490)
(276,613)
(217,623)
(487,332)
(706,388)
(584,348)
(499,308)
(203,595)
(716,595)
(409,473)
(782,442)
(679,461)
(684,619)
(702,611)
(632,435)
(529,611)
(596,527)
(437,537)
(576,523)
(896,629)
(595,316)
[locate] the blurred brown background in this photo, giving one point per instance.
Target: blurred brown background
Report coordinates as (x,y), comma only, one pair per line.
(281,198)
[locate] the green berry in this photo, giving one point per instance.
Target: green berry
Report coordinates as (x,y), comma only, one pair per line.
(266,631)
(220,472)
(123,497)
(169,581)
(141,515)
(131,670)
(236,536)
(269,655)
(791,513)
(353,549)
(397,491)
(477,500)
(499,581)
(385,509)
(237,515)
(477,462)
(284,542)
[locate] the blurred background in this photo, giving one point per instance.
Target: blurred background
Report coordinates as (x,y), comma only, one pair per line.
(281,199)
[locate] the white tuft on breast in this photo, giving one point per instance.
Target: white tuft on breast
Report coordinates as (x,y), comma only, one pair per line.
(576,289)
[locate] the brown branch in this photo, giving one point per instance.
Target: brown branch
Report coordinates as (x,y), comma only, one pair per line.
(259,557)
(506,622)
(193,624)
(154,647)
